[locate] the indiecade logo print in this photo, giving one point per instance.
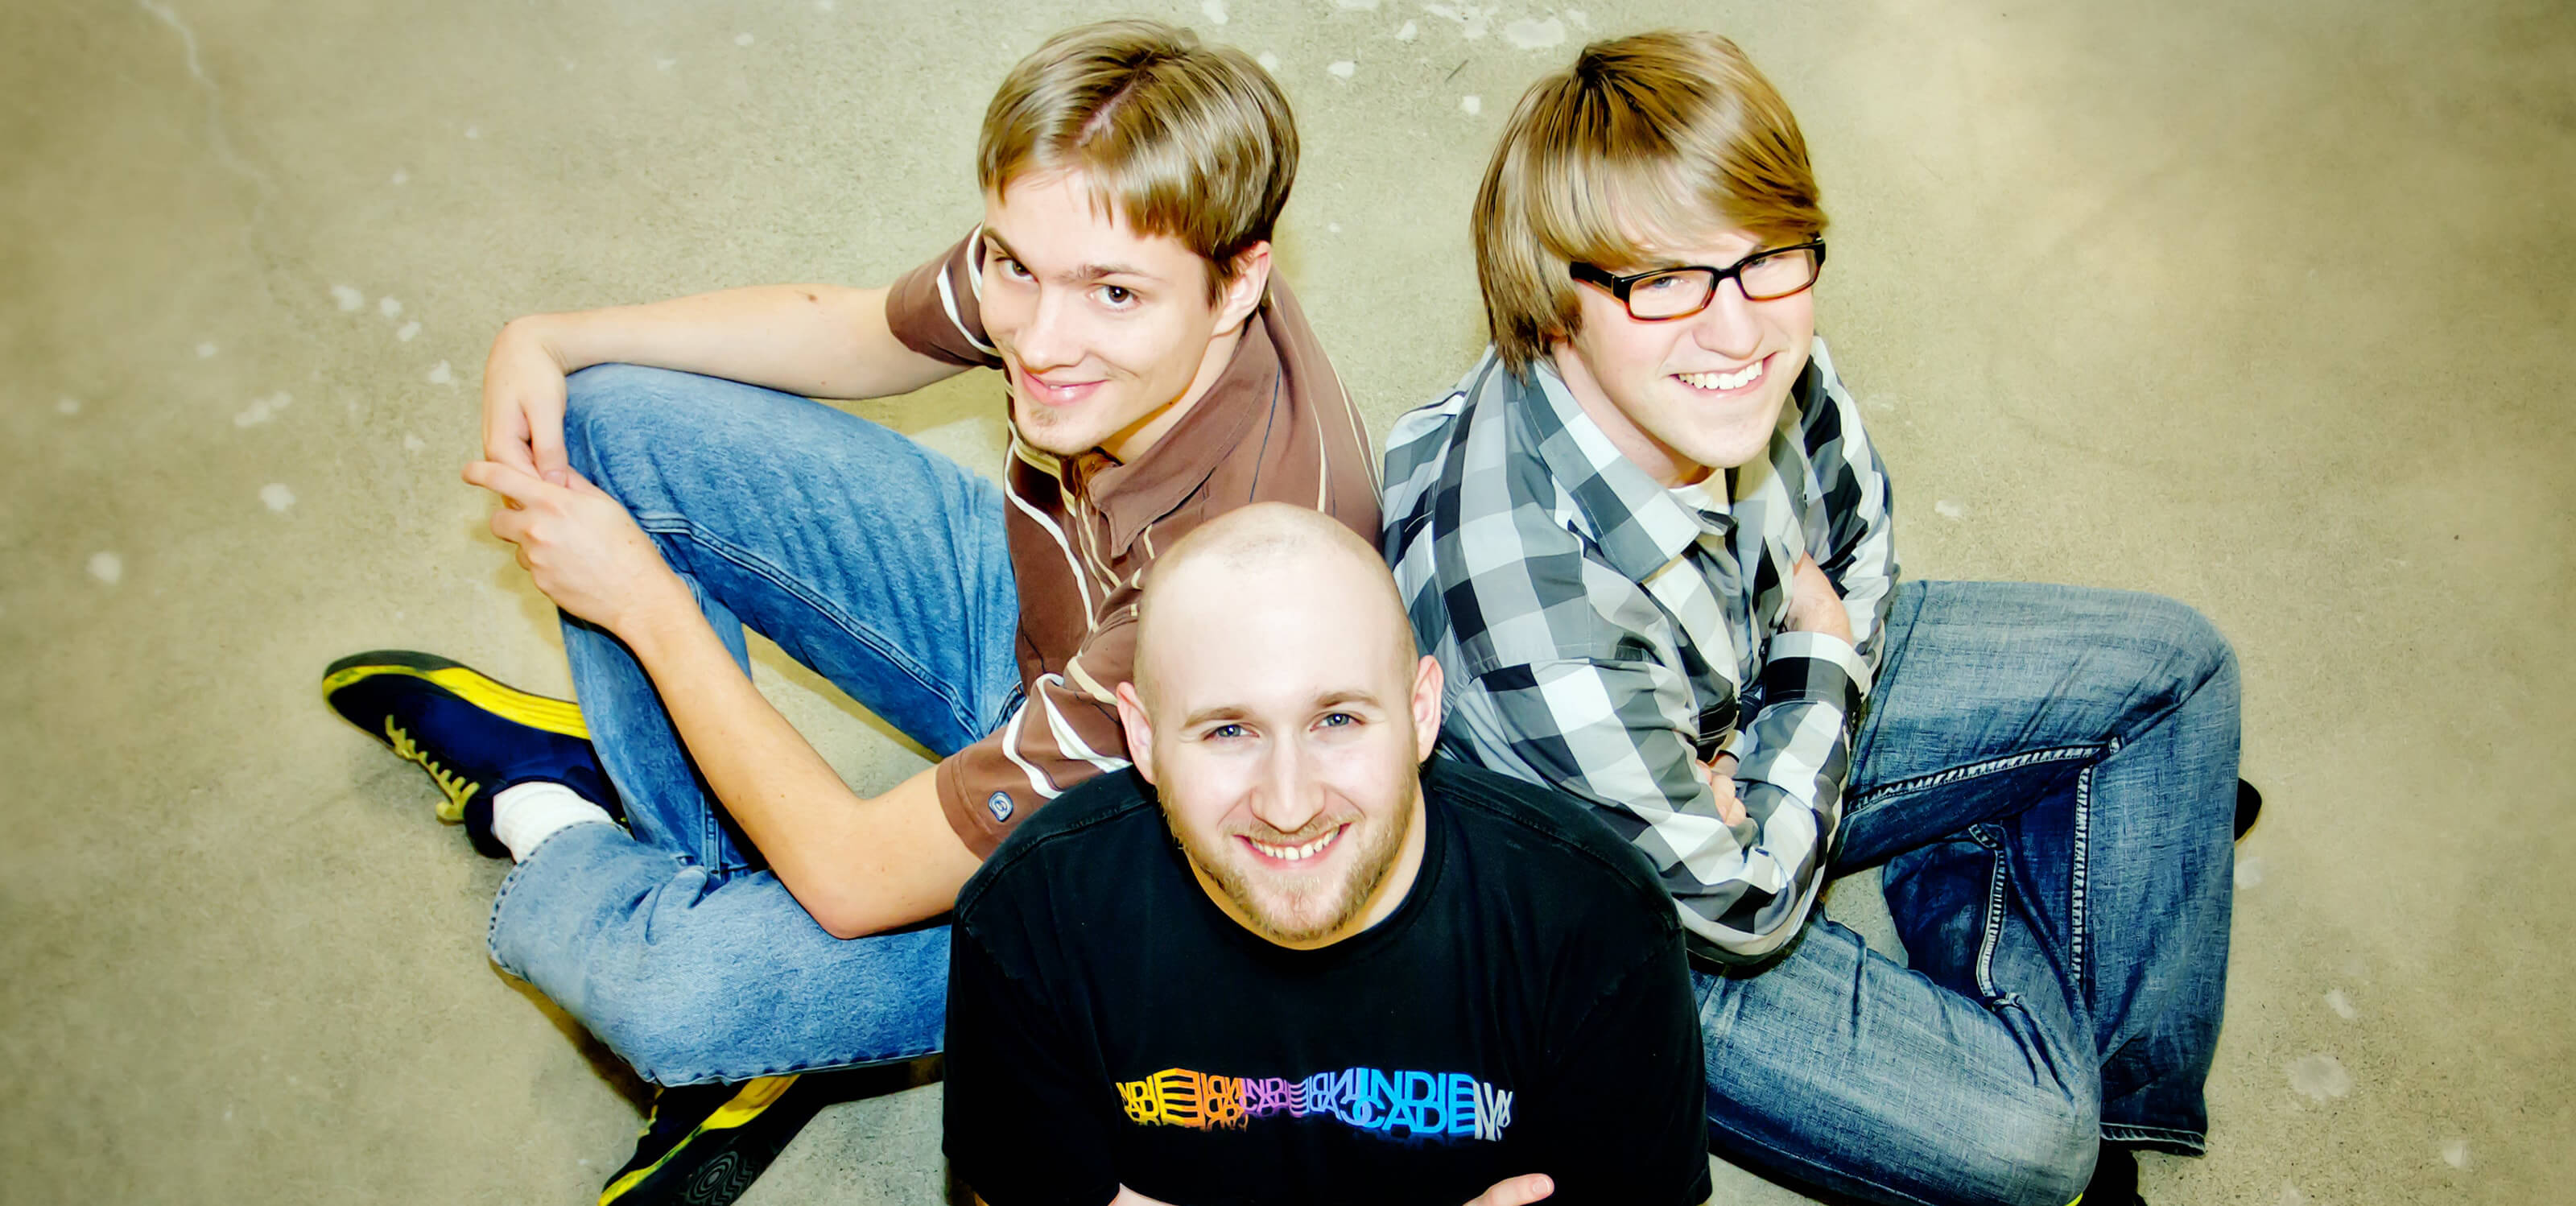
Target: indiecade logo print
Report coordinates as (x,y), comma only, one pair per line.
(1431,1105)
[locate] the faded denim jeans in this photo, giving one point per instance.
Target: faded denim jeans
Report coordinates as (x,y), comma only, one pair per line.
(878,563)
(2049,775)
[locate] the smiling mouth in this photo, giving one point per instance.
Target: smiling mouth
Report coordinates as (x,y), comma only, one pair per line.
(1298,853)
(1048,393)
(1722,383)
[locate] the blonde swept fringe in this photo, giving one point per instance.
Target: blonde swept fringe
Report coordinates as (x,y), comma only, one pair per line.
(1651,141)
(1179,139)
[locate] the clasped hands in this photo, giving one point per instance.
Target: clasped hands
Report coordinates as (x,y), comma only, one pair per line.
(580,546)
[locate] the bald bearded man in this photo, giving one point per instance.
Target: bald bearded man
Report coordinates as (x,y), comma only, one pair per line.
(1286,961)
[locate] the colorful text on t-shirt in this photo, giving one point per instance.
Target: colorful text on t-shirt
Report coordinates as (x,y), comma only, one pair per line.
(1437,1105)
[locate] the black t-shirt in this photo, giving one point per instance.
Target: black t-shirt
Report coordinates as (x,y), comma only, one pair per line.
(1525,1009)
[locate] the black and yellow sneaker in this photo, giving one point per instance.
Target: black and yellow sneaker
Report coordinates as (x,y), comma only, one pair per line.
(474,734)
(706,1144)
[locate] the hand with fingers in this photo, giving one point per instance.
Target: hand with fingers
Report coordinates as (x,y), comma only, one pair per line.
(523,405)
(1719,774)
(581,547)
(1516,1191)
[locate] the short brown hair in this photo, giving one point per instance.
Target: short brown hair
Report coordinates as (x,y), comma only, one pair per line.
(1183,140)
(1646,140)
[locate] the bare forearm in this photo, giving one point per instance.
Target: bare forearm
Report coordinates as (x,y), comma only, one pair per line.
(825,341)
(858,866)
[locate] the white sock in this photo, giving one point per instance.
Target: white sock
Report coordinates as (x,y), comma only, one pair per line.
(526,815)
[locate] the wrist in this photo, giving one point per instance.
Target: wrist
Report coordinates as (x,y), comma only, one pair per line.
(552,336)
(659,613)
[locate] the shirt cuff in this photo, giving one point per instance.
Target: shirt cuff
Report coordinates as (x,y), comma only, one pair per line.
(1817,667)
(980,821)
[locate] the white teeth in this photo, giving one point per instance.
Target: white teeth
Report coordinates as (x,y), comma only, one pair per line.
(1721,381)
(1296,853)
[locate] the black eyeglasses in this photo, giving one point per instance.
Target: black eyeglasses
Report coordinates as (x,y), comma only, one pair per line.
(1663,293)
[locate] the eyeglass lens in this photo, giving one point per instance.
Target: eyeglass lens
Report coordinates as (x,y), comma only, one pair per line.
(1688,290)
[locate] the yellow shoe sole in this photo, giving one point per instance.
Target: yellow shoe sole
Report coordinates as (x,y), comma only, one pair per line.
(465,682)
(747,1103)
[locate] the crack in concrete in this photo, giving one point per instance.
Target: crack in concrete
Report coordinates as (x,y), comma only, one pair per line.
(221,142)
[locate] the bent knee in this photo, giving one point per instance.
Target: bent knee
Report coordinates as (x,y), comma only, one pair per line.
(607,406)
(653,438)
(2188,651)
(667,1033)
(2043,1157)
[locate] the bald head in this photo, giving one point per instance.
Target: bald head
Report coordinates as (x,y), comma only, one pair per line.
(1273,553)
(1282,716)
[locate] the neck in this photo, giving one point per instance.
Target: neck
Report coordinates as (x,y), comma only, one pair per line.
(1668,467)
(1139,437)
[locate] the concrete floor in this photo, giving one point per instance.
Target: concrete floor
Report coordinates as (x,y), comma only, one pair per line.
(2267,310)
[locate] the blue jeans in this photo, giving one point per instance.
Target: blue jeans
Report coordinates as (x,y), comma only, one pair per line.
(877,562)
(2049,775)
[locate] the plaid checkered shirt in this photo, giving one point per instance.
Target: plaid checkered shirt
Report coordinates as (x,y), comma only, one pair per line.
(1609,636)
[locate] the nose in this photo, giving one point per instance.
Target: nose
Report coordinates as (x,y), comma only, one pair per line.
(1049,339)
(1729,326)
(1291,794)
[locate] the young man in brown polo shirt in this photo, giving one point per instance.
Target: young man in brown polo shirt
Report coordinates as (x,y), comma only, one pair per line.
(754,919)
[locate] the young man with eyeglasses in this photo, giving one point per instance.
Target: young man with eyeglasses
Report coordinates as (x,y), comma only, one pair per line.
(754,919)
(1651,543)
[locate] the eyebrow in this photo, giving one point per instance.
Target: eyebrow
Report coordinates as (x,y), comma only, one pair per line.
(1329,699)
(1081,273)
(1667,262)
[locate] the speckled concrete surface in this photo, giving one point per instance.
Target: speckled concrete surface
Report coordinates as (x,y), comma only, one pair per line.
(2265,307)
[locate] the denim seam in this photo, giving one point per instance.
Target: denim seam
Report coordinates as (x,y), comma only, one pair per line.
(2079,881)
(492,923)
(1943,778)
(1994,920)
(680,525)
(2122,1132)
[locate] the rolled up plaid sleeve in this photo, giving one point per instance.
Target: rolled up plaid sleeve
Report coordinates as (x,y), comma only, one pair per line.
(1849,515)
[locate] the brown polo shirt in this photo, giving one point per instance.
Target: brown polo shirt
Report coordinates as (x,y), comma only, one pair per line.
(1276,426)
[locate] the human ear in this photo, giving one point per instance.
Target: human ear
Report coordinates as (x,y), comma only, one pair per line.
(1140,731)
(1427,683)
(1250,283)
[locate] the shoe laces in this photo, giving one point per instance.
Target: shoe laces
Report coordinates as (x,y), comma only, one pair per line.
(458,788)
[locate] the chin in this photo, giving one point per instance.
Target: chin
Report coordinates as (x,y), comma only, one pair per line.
(1294,908)
(1738,443)
(1059,435)
(1303,921)
(1730,452)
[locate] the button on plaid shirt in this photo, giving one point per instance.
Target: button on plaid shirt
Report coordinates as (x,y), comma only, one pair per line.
(1604,635)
